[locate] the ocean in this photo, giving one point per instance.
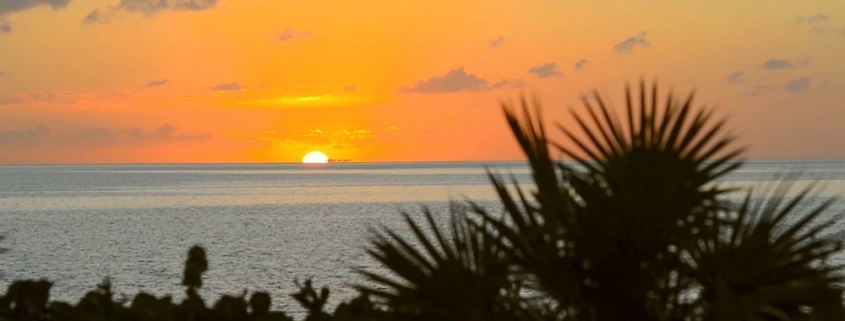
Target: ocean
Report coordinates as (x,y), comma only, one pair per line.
(263,225)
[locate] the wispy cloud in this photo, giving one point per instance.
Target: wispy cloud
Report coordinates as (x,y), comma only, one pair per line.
(3,74)
(108,137)
(151,7)
(797,85)
(311,137)
(628,45)
(736,77)
(496,43)
(100,137)
(9,7)
(817,18)
(232,86)
(338,139)
(580,64)
(13,6)
(156,83)
(62,97)
(348,138)
(546,70)
(148,8)
(775,64)
(506,83)
(291,34)
(457,80)
(13,139)
(820,23)
(94,17)
(350,88)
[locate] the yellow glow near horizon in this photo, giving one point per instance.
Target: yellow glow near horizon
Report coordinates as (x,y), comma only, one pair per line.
(315,157)
(317,100)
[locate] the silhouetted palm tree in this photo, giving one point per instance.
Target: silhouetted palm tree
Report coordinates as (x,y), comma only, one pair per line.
(637,229)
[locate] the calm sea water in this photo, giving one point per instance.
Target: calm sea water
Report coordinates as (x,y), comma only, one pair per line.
(263,226)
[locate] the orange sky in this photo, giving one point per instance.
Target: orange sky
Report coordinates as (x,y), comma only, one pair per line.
(128,81)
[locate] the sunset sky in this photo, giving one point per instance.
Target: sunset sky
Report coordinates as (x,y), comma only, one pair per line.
(138,81)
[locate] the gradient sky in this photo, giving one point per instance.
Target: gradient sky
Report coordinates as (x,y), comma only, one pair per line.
(115,81)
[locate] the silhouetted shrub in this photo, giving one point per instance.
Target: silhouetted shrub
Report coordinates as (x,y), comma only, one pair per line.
(28,300)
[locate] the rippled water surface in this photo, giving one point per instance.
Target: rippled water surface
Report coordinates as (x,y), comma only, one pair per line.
(263,226)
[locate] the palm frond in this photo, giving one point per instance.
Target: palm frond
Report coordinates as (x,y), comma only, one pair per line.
(772,262)
(458,273)
(637,229)
(597,236)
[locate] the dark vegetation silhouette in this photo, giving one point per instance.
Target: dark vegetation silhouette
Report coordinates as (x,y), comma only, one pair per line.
(636,228)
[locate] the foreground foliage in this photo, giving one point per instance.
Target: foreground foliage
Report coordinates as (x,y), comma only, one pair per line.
(28,300)
(638,227)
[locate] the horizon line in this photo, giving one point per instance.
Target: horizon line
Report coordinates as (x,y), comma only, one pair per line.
(760,160)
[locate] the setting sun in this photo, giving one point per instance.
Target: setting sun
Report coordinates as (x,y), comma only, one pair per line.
(315,157)
(277,79)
